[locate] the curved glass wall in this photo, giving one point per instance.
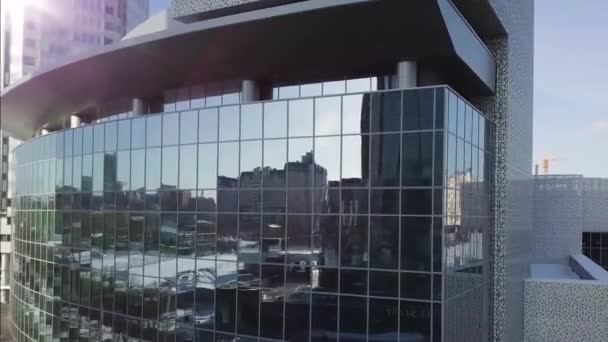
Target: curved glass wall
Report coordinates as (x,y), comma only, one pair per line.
(352,217)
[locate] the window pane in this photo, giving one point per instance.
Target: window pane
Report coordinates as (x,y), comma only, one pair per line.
(153,131)
(275,119)
(354,242)
(188,127)
(251,162)
(355,114)
(328,116)
(301,118)
(207,129)
(313,89)
(358,85)
(384,242)
(382,322)
(300,166)
(77,141)
(111,136)
(124,134)
(327,156)
(207,166)
(352,167)
(334,87)
(416,320)
(229,123)
(385,162)
(87,140)
(187,167)
(138,133)
(170,166)
(275,154)
(353,318)
(416,243)
(123,170)
(153,168)
(418,109)
(324,315)
(386,112)
(251,121)
(98,172)
(98,135)
(417,159)
(170,129)
(228,166)
(138,165)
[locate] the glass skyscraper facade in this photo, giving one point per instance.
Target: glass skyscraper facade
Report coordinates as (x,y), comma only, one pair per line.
(335,211)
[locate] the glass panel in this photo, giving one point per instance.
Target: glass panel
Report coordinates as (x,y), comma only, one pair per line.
(208,125)
(313,89)
(417,159)
(229,123)
(251,162)
(416,202)
(275,119)
(87,140)
(187,167)
(382,323)
(301,118)
(170,168)
(98,135)
(354,148)
(153,168)
(138,133)
(170,129)
(416,243)
(386,111)
(328,116)
(324,316)
(275,154)
(98,171)
(124,134)
(353,318)
(77,142)
(138,165)
(452,113)
(207,166)
(418,109)
(300,166)
(385,160)
(153,131)
(358,85)
(251,121)
(228,165)
(416,286)
(415,320)
(289,92)
(327,156)
(355,114)
(111,139)
(384,242)
(334,87)
(123,170)
(188,127)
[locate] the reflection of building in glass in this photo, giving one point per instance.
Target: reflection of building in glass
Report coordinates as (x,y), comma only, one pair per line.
(309,198)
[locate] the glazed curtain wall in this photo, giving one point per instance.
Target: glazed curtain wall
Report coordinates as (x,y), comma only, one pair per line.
(309,219)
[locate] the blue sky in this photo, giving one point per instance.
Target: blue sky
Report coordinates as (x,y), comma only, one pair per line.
(158,5)
(570,84)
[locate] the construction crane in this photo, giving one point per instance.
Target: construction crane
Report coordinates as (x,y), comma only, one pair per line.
(546,162)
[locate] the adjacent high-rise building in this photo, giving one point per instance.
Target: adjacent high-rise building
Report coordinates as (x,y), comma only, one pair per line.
(44,33)
(281,171)
(40,34)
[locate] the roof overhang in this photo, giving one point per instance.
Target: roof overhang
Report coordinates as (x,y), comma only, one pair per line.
(299,41)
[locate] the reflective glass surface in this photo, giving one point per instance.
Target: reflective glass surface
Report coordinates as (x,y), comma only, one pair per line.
(341,217)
